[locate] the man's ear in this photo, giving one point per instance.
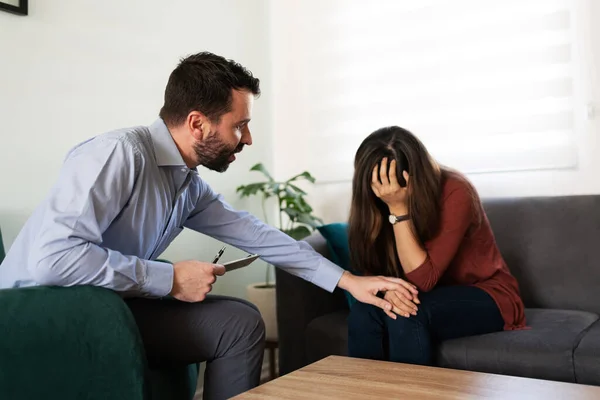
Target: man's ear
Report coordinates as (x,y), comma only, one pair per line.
(199,125)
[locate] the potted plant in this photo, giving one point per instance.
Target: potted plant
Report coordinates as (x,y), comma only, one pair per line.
(296,219)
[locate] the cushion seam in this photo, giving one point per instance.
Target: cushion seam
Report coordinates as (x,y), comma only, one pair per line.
(576,344)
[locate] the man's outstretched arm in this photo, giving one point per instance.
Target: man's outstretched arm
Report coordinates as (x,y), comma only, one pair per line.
(215,218)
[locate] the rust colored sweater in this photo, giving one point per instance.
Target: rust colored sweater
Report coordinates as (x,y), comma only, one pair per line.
(464,253)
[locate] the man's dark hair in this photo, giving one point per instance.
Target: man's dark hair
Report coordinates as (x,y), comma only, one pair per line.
(203,82)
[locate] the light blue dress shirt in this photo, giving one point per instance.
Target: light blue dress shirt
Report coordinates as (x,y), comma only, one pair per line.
(120,200)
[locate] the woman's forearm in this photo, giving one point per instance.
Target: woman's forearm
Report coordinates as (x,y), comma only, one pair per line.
(410,253)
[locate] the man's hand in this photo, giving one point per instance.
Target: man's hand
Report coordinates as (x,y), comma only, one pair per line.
(400,305)
(193,280)
(365,289)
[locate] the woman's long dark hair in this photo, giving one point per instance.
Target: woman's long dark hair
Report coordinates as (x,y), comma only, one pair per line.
(371,236)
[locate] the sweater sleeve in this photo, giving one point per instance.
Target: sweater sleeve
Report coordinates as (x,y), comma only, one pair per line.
(455,218)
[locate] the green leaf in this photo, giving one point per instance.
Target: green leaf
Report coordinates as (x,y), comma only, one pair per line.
(292,213)
(297,189)
(299,232)
(274,188)
(291,193)
(308,219)
(306,175)
(303,206)
(261,168)
(291,202)
(251,189)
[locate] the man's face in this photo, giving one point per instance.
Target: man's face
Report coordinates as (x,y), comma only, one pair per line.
(228,136)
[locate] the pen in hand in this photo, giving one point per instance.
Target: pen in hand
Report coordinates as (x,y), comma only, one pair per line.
(219,254)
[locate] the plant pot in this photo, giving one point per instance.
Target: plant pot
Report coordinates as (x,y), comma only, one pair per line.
(263,297)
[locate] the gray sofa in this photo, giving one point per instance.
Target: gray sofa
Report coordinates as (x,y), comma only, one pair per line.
(551,245)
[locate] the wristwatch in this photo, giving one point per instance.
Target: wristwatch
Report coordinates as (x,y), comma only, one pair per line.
(395,218)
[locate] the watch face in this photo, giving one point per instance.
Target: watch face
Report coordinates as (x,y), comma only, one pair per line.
(392,219)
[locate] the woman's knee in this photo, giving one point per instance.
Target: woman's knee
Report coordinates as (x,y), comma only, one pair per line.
(362,315)
(401,323)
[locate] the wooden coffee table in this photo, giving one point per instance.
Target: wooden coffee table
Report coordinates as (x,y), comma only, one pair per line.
(348,378)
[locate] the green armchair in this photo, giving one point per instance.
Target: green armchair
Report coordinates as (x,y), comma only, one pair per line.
(78,343)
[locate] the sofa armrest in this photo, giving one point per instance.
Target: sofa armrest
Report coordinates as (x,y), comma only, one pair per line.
(69,343)
(298,303)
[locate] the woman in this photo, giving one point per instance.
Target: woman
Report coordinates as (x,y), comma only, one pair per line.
(413,219)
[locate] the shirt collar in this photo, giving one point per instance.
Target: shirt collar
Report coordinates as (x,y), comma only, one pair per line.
(165,150)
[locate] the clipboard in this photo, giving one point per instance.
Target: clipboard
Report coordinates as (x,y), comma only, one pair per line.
(242,262)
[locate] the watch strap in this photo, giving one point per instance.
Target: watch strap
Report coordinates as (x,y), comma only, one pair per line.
(399,218)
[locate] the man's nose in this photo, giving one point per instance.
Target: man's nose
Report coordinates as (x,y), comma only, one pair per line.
(247,137)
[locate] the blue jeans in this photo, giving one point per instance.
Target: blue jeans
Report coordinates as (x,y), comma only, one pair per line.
(444,313)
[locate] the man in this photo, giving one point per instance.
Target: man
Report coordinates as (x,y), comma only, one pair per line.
(123,196)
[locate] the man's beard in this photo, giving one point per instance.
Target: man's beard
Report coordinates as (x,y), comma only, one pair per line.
(214,154)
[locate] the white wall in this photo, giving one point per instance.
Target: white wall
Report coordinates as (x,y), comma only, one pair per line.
(76,68)
(331,200)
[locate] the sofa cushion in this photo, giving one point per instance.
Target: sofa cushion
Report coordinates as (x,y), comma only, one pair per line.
(587,357)
(336,235)
(543,352)
(548,245)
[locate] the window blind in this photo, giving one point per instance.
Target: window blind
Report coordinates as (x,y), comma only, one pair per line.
(487,85)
